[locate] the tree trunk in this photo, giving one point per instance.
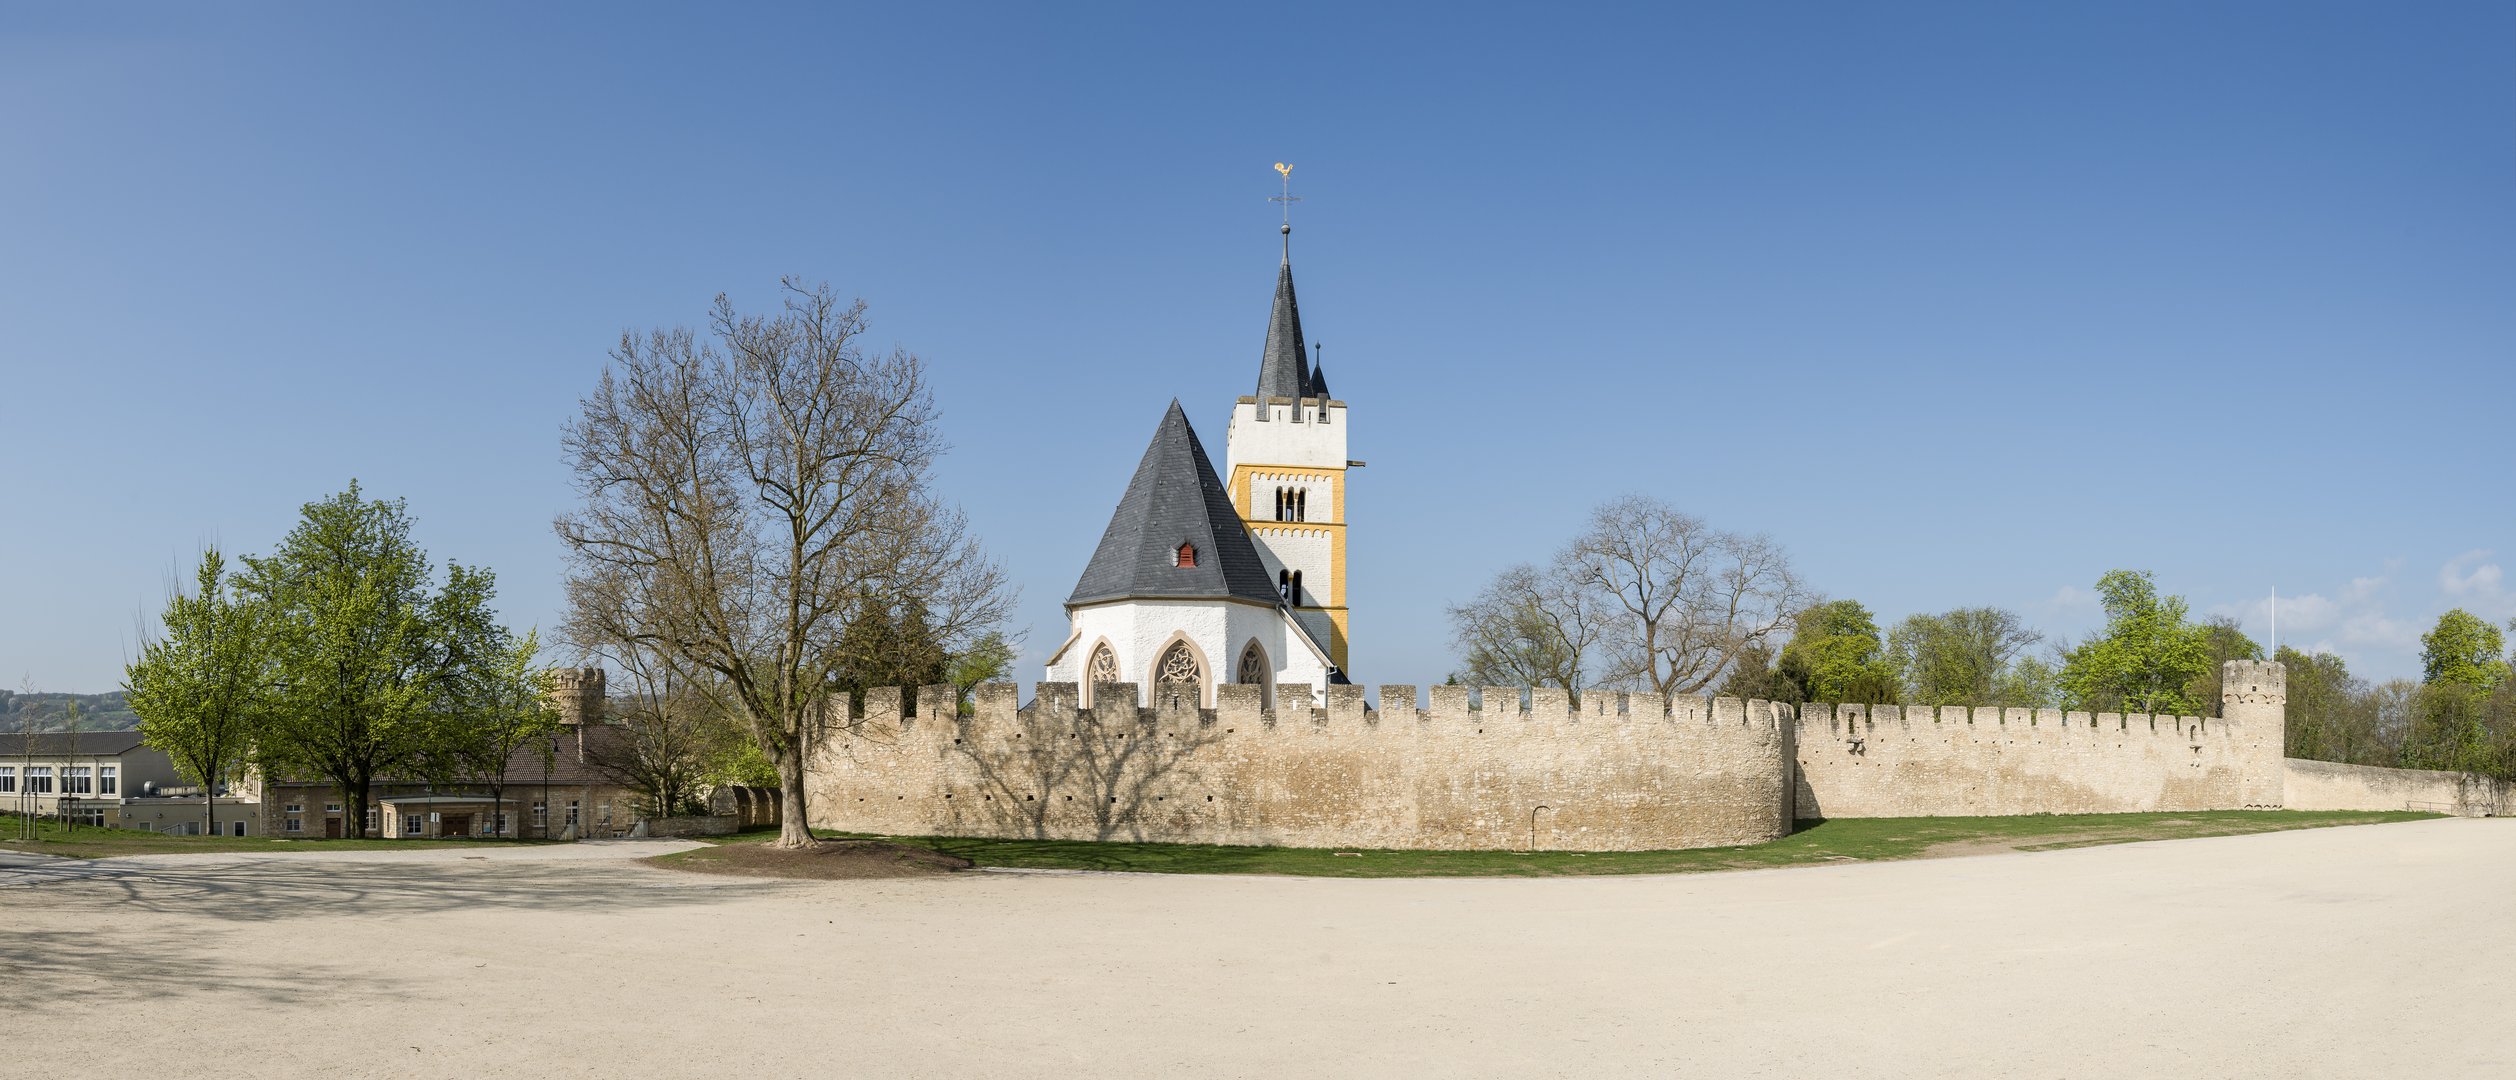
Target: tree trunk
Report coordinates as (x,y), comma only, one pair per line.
(793,830)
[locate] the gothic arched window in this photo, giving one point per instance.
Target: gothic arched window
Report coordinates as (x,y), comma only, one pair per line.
(1284,584)
(1103,668)
(1293,593)
(1253,668)
(1179,665)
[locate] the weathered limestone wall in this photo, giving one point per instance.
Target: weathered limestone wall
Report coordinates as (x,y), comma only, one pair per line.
(1918,761)
(2330,785)
(1698,774)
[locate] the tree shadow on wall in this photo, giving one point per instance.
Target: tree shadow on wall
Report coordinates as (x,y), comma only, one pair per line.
(1086,775)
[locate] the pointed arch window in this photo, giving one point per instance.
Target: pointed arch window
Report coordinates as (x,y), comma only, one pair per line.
(1293,590)
(1103,668)
(1179,665)
(1253,666)
(1187,557)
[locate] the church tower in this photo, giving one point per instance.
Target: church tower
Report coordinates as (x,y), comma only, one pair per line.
(1286,451)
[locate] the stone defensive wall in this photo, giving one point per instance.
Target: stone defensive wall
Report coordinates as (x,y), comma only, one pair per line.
(2331,785)
(1958,761)
(1615,775)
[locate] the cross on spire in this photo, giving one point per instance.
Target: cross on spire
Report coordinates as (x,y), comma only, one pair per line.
(1288,199)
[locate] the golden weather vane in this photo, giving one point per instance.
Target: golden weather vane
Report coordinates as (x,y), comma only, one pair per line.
(1287,198)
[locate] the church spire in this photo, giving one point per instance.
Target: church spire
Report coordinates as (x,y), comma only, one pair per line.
(1284,369)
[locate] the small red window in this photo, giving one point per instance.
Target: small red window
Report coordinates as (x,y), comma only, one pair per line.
(1188,555)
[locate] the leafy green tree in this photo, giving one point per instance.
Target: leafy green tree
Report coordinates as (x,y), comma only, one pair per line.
(200,690)
(1835,655)
(986,659)
(499,704)
(2147,659)
(2464,650)
(887,644)
(367,649)
(1753,676)
(1963,657)
(2222,639)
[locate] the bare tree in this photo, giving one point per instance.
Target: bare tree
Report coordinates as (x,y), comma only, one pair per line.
(1682,598)
(1528,628)
(665,738)
(741,493)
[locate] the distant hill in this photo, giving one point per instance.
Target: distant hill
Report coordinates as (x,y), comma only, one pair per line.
(51,712)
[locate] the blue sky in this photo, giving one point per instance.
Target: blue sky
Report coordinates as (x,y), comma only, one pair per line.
(1964,304)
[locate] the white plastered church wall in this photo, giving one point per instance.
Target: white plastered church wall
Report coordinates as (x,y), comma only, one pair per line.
(1293,547)
(1308,443)
(1139,631)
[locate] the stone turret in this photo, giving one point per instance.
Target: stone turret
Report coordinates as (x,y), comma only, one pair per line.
(2254,700)
(577,694)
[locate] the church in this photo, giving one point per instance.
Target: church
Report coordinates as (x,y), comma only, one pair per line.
(1200,581)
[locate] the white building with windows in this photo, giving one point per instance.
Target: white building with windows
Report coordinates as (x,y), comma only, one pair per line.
(109,778)
(1197,582)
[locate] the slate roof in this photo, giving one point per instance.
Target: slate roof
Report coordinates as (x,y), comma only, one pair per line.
(64,744)
(1318,381)
(1174,499)
(1284,369)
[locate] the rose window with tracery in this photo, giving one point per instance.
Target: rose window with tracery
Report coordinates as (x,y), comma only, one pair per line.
(1179,665)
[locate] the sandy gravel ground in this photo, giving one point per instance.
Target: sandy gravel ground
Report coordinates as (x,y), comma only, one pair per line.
(2373,951)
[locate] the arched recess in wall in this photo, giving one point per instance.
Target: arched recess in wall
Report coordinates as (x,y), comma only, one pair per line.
(1255,669)
(1100,665)
(1180,655)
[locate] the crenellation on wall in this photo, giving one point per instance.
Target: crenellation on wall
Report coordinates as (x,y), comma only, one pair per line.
(1550,703)
(1449,705)
(1398,702)
(1499,703)
(1335,775)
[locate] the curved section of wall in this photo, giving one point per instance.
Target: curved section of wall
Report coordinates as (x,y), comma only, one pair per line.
(1607,777)
(2330,785)
(1953,761)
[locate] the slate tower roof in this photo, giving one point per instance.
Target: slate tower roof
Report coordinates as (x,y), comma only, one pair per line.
(1284,369)
(1174,499)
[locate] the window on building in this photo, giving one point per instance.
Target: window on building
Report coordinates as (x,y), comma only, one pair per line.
(331,808)
(603,814)
(541,816)
(294,808)
(1253,666)
(1179,665)
(1188,556)
(1104,666)
(236,828)
(498,824)
(371,818)
(293,825)
(76,780)
(572,811)
(39,779)
(8,778)
(413,824)
(108,780)
(1294,594)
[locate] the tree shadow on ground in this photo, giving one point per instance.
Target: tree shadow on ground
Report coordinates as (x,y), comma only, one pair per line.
(299,888)
(92,968)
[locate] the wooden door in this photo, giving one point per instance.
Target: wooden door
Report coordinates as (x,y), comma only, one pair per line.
(331,828)
(454,825)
